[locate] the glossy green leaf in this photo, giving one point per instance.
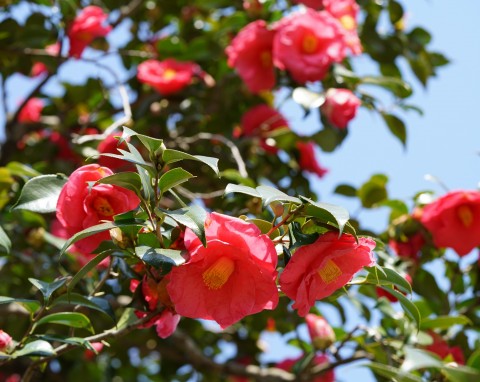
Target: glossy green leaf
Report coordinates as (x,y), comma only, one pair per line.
(346,190)
(38,348)
(271,194)
(95,303)
(71,319)
(327,212)
(5,242)
(162,259)
(153,145)
(240,189)
(80,275)
(387,276)
(373,191)
(40,194)
(444,322)
(392,373)
(48,288)
(170,156)
(419,359)
(409,307)
(173,178)
(395,85)
(397,127)
(474,360)
(192,217)
(129,180)
(31,305)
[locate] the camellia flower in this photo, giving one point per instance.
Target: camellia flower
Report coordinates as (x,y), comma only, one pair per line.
(261,120)
(390,297)
(31,112)
(110,145)
(81,205)
(320,359)
(320,331)
(168,76)
(230,278)
(250,53)
(346,12)
(307,44)
(39,68)
(5,340)
(307,160)
(314,4)
(90,354)
(86,27)
(441,348)
(454,221)
(340,106)
(409,248)
(317,270)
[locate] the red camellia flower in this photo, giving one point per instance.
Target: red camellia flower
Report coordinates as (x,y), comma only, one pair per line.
(168,76)
(86,27)
(5,340)
(307,159)
(320,359)
(346,12)
(308,43)
(90,354)
(314,4)
(81,205)
(31,112)
(320,331)
(39,68)
(230,278)
(317,270)
(340,106)
(261,120)
(454,221)
(250,53)
(408,249)
(441,348)
(110,146)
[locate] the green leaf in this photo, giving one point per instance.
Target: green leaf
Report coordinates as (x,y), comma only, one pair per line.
(395,85)
(127,318)
(31,305)
(170,156)
(396,126)
(5,242)
(408,306)
(444,322)
(346,190)
(327,212)
(153,145)
(85,269)
(135,158)
(236,188)
(474,360)
(373,191)
(71,319)
(40,194)
(162,259)
(460,373)
(38,348)
(192,217)
(387,276)
(392,373)
(48,288)
(419,359)
(270,194)
(95,303)
(129,180)
(173,178)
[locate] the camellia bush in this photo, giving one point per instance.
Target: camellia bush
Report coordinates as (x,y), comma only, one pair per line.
(157,217)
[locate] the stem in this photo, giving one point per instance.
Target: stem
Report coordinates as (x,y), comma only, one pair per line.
(285,219)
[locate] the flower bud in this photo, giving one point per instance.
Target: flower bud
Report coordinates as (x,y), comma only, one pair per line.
(5,341)
(321,332)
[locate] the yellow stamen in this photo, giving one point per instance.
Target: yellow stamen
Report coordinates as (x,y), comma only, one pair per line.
(169,74)
(465,214)
(329,272)
(266,59)
(348,22)
(309,44)
(218,273)
(102,206)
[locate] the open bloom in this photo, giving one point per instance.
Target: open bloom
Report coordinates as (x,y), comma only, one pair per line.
(454,221)
(168,76)
(261,120)
(234,276)
(340,106)
(320,359)
(317,270)
(307,160)
(315,4)
(321,333)
(86,27)
(31,112)
(81,205)
(5,340)
(307,44)
(250,53)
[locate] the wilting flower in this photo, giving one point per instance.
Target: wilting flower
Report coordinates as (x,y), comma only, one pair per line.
(317,270)
(454,221)
(110,145)
(307,44)
(168,76)
(259,121)
(86,27)
(250,53)
(340,106)
(320,331)
(31,112)
(320,359)
(441,348)
(5,341)
(82,205)
(39,68)
(307,160)
(230,278)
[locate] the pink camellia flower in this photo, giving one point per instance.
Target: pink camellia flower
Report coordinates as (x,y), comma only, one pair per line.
(307,160)
(5,341)
(320,331)
(81,205)
(110,145)
(320,359)
(39,68)
(86,27)
(340,106)
(346,12)
(314,4)
(441,348)
(90,354)
(31,112)
(307,44)
(230,278)
(317,270)
(390,297)
(168,76)
(408,249)
(454,221)
(250,53)
(259,121)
